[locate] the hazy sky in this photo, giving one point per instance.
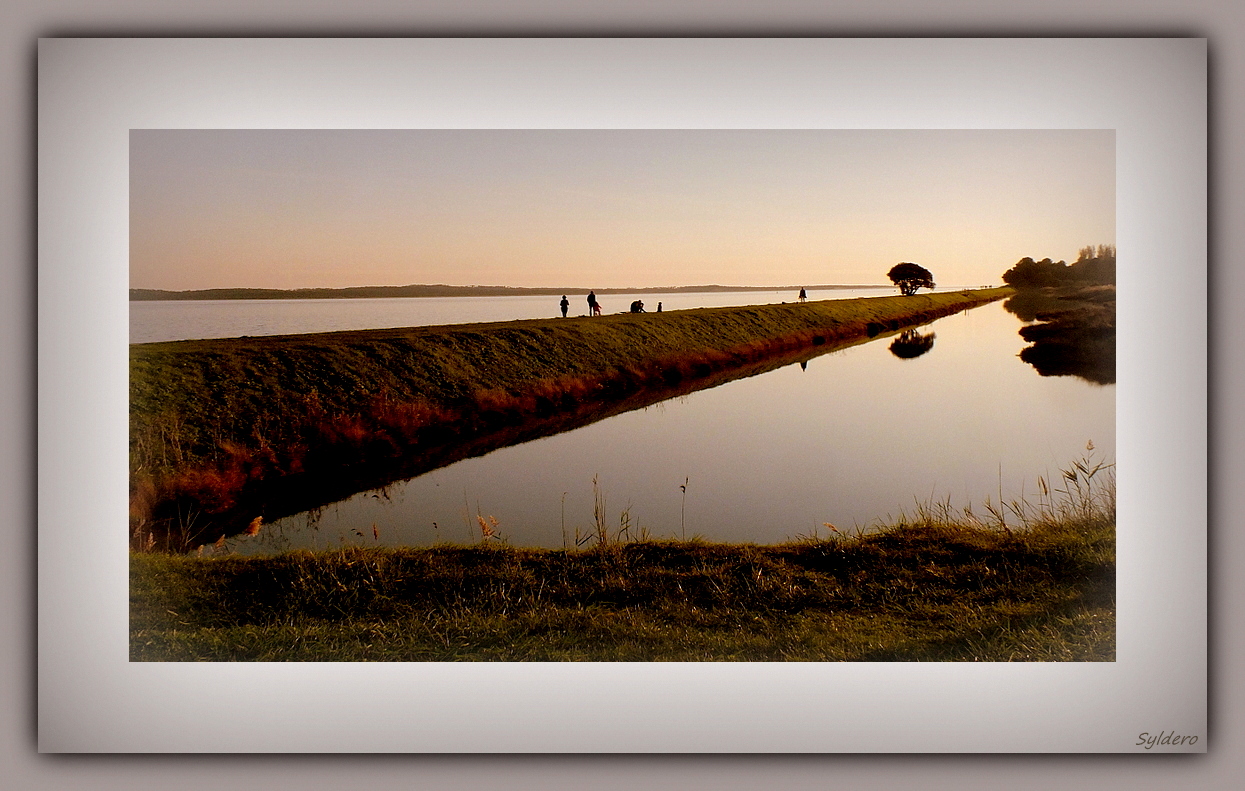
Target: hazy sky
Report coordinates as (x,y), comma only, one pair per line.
(612,208)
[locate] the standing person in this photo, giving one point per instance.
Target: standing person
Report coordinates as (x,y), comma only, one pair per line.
(593,308)
(565,303)
(659,307)
(803,295)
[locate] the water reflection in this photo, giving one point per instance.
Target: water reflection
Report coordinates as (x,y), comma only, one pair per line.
(1073,333)
(911,344)
(313,492)
(769,457)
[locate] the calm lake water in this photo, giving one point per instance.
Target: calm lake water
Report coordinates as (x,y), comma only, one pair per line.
(856,436)
(232,318)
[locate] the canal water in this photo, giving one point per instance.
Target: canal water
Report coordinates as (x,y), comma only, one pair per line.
(857,436)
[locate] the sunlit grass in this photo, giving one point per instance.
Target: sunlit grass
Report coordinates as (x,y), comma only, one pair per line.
(935,586)
(215,422)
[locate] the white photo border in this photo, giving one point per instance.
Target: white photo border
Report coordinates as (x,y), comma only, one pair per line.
(1152,92)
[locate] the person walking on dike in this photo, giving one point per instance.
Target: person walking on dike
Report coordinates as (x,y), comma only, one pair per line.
(803,295)
(565,303)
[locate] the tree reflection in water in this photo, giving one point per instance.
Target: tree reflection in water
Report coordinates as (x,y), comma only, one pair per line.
(1074,333)
(911,343)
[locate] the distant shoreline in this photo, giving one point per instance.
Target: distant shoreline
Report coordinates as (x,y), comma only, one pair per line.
(373,292)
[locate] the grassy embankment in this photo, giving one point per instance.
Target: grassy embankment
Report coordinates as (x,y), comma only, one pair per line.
(1026,582)
(235,428)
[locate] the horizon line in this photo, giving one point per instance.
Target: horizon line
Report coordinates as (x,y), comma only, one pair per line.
(442,287)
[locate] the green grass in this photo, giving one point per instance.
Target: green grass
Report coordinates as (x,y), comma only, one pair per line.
(1020,581)
(214,423)
(1030,581)
(924,590)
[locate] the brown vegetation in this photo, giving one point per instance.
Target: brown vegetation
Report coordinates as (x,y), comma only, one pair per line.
(224,431)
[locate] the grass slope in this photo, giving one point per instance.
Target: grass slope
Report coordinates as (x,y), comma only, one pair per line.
(212,419)
(929,590)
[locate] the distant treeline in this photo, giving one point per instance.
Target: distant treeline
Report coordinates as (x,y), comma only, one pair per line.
(1093,266)
(365,292)
(1069,310)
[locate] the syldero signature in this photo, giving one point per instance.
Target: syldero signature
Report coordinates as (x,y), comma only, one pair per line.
(1164,738)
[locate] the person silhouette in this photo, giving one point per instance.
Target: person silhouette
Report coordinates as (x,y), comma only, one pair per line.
(803,295)
(594,308)
(659,307)
(565,303)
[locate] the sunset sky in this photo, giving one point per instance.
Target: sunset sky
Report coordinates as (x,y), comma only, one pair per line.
(608,208)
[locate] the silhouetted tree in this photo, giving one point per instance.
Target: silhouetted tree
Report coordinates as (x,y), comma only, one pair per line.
(910,277)
(1093,266)
(1028,273)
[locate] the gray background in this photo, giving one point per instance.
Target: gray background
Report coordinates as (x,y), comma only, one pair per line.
(93,92)
(23,768)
